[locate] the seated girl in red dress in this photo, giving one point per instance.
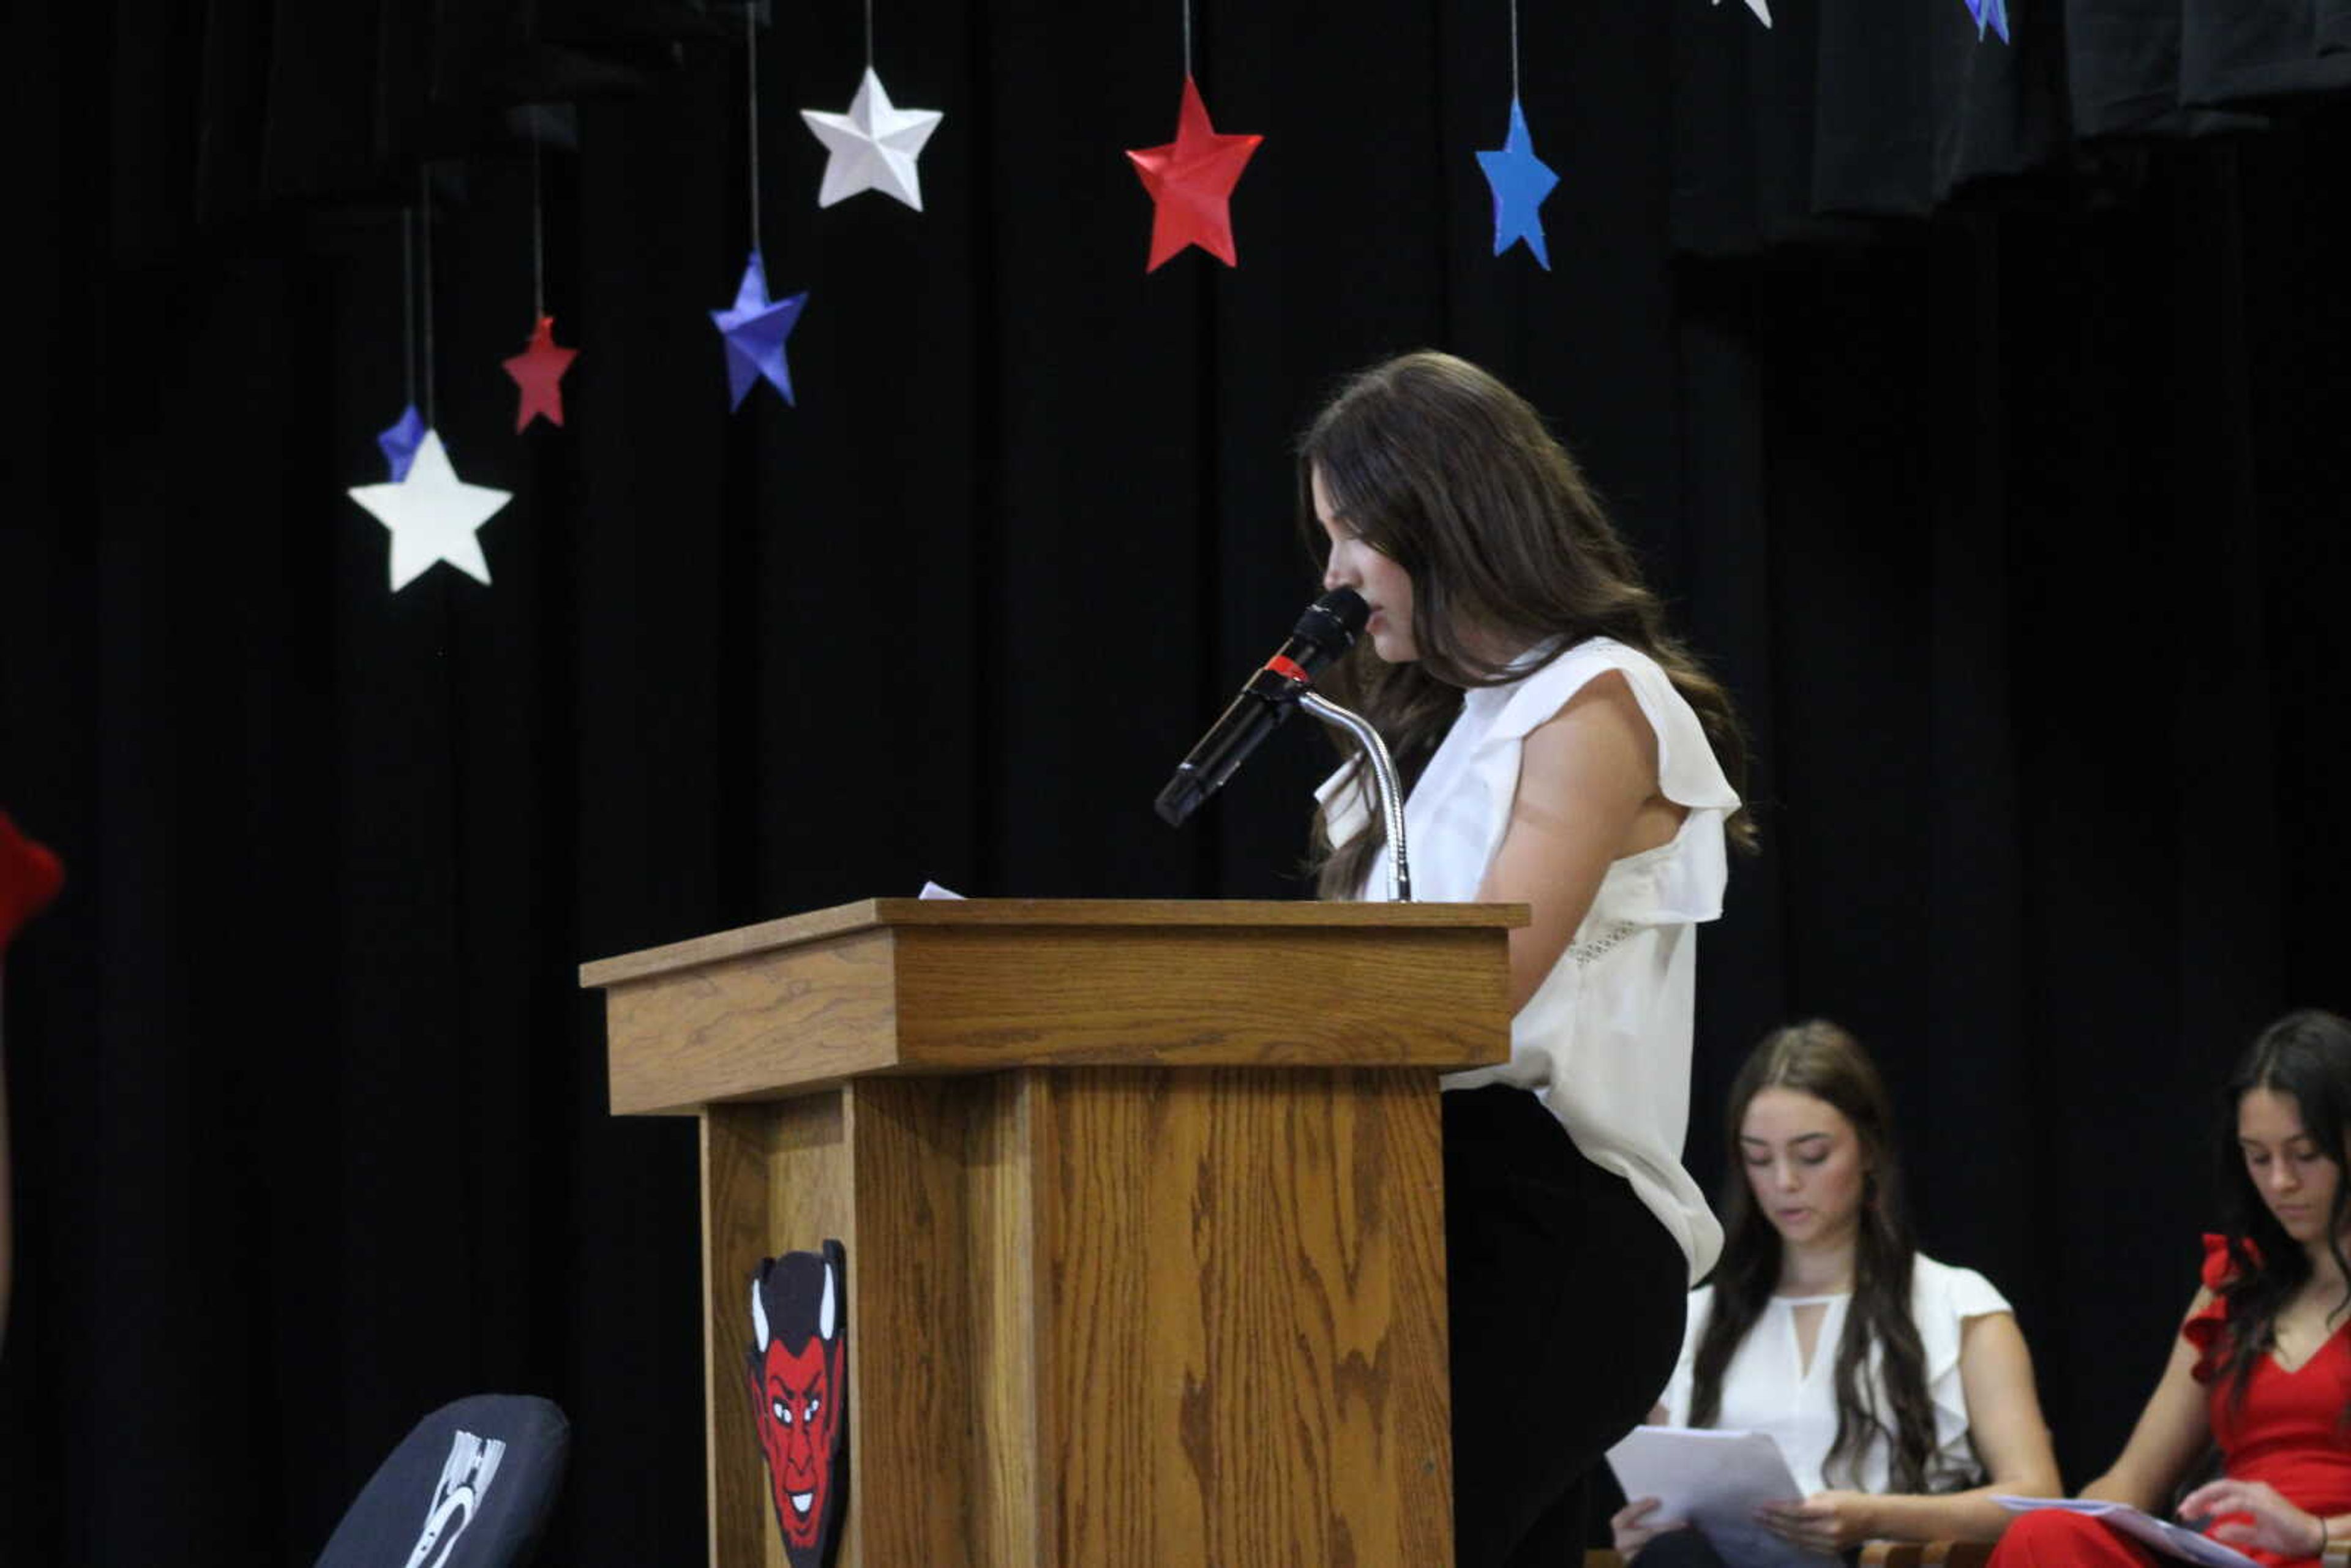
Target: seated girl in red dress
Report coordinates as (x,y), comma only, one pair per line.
(2262,1369)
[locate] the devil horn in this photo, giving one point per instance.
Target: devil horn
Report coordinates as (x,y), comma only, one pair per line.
(824,1319)
(759,1316)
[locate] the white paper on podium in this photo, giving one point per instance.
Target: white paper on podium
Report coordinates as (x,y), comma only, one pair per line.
(932,889)
(1715,1480)
(2171,1540)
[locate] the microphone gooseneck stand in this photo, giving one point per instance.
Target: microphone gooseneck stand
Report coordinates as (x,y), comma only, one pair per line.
(1383,773)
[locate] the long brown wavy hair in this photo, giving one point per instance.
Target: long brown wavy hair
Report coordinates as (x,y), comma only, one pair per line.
(1452,475)
(2305,1056)
(1818,1059)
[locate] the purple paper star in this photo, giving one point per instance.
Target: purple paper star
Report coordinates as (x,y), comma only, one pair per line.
(754,332)
(1989,13)
(400,440)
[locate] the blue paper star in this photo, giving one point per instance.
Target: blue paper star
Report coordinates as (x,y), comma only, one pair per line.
(1520,182)
(754,331)
(400,440)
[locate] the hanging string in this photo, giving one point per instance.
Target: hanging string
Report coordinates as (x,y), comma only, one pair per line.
(869,35)
(1187,37)
(424,190)
(1514,51)
(408,301)
(751,77)
(538,231)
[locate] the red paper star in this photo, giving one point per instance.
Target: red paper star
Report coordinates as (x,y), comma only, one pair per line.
(1190,179)
(538,372)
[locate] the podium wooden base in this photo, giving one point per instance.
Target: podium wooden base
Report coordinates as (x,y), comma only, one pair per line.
(1198,1315)
(1143,1208)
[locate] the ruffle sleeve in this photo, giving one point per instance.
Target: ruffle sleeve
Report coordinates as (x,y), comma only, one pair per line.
(1676,882)
(1688,772)
(2207,1326)
(1942,1299)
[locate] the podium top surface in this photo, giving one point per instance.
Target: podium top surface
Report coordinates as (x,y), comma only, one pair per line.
(873,913)
(949,986)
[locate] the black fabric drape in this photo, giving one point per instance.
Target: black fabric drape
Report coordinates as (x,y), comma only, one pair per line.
(2230,53)
(2014,529)
(1847,110)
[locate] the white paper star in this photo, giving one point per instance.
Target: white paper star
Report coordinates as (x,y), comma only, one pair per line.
(433,515)
(874,146)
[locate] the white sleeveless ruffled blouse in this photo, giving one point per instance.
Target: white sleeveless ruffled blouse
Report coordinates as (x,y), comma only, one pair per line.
(1605,1039)
(1768,1387)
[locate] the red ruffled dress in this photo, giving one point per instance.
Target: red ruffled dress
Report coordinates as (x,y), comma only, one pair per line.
(2289,1431)
(29,877)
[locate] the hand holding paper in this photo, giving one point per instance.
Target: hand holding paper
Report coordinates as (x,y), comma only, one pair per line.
(2268,1522)
(1637,1523)
(1825,1522)
(1718,1483)
(2171,1540)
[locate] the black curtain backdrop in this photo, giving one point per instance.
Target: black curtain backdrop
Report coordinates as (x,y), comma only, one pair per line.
(1994,457)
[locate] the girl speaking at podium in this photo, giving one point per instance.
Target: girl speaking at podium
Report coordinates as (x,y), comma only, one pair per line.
(1567,753)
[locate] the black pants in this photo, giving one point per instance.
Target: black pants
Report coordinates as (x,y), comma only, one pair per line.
(1567,1300)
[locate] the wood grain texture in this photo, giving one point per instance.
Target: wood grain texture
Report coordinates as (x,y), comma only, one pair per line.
(776,1179)
(936,995)
(1185,1307)
(1103,1316)
(945,1347)
(912,1419)
(800,1017)
(868,913)
(1243,1318)
(733,1227)
(1007,1524)
(979,998)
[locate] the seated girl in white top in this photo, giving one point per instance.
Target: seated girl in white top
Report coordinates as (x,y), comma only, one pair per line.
(1891,1382)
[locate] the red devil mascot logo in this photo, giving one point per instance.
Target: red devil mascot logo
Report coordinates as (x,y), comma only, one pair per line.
(799,1384)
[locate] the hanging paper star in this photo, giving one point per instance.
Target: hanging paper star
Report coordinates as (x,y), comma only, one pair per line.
(538,370)
(1521,181)
(398,441)
(1762,11)
(1191,181)
(433,515)
(754,331)
(1989,13)
(874,146)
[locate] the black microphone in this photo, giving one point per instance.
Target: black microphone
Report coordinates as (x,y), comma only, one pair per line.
(1326,631)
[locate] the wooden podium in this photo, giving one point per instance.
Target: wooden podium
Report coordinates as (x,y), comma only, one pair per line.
(1142,1210)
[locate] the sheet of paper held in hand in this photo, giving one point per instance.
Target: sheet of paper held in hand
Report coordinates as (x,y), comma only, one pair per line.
(1715,1480)
(2171,1540)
